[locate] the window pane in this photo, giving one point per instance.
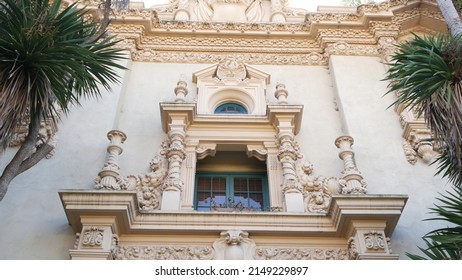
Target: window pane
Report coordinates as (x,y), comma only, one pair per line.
(240,184)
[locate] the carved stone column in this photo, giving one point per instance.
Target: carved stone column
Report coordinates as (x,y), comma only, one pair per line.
(352,181)
(95,241)
(276,9)
(109,177)
(173,185)
(288,155)
(369,242)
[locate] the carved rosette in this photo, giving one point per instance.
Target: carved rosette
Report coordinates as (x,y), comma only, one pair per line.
(352,182)
(109,177)
(300,254)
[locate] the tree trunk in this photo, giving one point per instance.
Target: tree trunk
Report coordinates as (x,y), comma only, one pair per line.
(25,157)
(451,16)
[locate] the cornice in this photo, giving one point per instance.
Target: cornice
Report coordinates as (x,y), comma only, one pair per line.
(122,206)
(345,31)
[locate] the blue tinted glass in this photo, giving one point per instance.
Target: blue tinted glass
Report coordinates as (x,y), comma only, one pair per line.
(231,108)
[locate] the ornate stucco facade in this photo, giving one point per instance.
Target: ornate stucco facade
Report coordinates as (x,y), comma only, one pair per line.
(345,177)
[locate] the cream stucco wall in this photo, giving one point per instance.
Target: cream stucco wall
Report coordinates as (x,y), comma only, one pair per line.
(344,98)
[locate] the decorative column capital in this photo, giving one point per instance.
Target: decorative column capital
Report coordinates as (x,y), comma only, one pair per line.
(344,142)
(116,136)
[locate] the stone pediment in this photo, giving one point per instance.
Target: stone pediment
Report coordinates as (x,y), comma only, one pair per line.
(231,81)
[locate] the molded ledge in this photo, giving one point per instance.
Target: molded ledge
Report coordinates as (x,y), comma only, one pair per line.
(129,219)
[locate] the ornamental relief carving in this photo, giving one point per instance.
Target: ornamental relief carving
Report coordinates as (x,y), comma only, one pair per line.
(164,253)
(313,58)
(92,237)
(316,189)
(150,186)
(300,254)
(375,241)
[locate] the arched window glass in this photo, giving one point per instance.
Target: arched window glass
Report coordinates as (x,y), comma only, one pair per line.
(231,108)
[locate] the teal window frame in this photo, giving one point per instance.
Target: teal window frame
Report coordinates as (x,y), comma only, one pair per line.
(229,193)
(238,109)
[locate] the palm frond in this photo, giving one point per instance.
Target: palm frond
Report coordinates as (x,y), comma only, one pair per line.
(48,60)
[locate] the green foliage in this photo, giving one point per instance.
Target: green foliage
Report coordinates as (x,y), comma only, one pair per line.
(49,55)
(445,243)
(427,75)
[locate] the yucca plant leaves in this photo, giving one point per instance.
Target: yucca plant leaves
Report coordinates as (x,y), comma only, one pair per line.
(427,74)
(49,56)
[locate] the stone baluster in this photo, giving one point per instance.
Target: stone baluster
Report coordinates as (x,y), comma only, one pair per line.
(352,182)
(281,93)
(109,177)
(181,90)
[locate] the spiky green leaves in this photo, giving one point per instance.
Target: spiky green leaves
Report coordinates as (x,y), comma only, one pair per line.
(427,74)
(445,243)
(49,55)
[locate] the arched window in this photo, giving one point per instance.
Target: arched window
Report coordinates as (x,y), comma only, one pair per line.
(231,108)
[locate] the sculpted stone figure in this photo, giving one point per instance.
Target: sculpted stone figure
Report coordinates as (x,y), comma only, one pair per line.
(205,9)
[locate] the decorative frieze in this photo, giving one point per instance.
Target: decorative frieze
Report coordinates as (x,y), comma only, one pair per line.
(300,254)
(165,253)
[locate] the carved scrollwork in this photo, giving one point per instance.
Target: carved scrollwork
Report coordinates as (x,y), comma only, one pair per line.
(149,186)
(300,254)
(92,237)
(165,253)
(353,251)
(375,241)
(316,193)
